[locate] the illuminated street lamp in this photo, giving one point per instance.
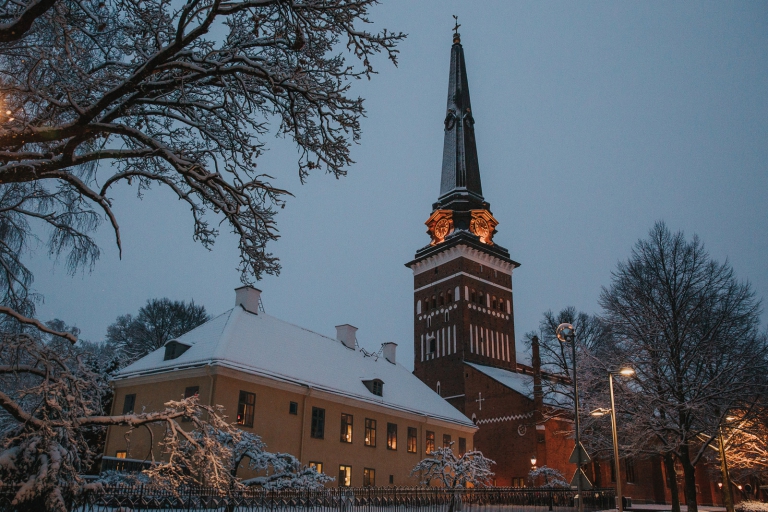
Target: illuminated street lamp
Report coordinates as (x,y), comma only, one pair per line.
(624,372)
(533,461)
(567,334)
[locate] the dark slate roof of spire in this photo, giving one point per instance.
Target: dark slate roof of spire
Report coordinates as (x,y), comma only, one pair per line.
(460,187)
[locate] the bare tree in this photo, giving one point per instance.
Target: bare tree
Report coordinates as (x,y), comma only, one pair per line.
(157,322)
(556,357)
(690,329)
(181,95)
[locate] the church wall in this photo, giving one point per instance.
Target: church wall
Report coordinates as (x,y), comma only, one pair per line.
(501,440)
(285,432)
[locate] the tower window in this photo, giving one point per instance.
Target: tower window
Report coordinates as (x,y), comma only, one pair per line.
(448,297)
(445,316)
(437,388)
(434,302)
(429,321)
(432,345)
(493,302)
(480,298)
(473,295)
(441,300)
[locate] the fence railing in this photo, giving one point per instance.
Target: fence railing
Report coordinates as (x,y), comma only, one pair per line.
(113,498)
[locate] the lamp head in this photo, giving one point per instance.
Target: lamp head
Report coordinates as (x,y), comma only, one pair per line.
(627,371)
(533,461)
(565,333)
(600,411)
(720,485)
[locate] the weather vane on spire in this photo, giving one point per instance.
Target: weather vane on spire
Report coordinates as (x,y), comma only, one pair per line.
(456,36)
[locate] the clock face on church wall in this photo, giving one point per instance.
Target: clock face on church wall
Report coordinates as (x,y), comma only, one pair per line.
(480,227)
(442,228)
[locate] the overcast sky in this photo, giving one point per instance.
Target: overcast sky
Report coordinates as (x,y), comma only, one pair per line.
(593,121)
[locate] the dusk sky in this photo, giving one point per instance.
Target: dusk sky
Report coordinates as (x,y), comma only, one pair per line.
(593,121)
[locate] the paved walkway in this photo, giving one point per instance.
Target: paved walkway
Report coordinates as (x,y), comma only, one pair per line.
(668,508)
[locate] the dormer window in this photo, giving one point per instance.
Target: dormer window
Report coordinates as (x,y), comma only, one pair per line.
(174,349)
(375,386)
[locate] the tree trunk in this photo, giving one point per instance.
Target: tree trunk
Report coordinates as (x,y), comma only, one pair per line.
(669,465)
(689,476)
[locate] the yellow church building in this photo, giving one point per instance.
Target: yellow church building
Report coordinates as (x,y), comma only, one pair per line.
(359,417)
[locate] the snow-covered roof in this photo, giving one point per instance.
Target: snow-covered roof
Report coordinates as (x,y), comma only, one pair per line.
(520,382)
(263,345)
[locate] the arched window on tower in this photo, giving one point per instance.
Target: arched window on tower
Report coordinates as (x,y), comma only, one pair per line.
(437,388)
(473,295)
(418,307)
(441,300)
(480,298)
(434,302)
(493,302)
(429,322)
(432,345)
(445,316)
(448,297)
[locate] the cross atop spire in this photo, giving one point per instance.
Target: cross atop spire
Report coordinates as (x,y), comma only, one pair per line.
(456,35)
(460,188)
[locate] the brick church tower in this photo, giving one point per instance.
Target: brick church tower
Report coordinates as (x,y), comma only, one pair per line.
(464,328)
(463,300)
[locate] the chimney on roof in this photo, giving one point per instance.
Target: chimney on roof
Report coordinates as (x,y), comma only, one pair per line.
(248,297)
(389,350)
(345,333)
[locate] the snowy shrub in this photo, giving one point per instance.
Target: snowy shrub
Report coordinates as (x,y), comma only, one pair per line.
(471,468)
(751,506)
(552,478)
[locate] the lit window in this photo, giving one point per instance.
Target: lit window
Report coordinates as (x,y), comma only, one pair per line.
(245,406)
(346,428)
(446,441)
(121,454)
(430,442)
(412,436)
(391,436)
(317,466)
(345,476)
(129,403)
(318,423)
(369,477)
(370,432)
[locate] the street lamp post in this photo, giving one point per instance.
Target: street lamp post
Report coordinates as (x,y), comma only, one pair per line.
(567,334)
(726,488)
(626,372)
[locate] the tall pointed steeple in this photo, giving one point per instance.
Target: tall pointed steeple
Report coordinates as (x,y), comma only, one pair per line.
(461,216)
(460,187)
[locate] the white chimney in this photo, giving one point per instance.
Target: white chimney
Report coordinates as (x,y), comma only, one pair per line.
(346,334)
(248,297)
(389,351)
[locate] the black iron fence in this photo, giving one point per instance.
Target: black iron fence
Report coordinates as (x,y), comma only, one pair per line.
(120,498)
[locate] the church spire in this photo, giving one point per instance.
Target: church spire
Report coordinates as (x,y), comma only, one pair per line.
(460,188)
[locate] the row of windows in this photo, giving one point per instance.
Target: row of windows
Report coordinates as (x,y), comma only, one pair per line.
(345,475)
(246,406)
(438,300)
(369,439)
(474,296)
